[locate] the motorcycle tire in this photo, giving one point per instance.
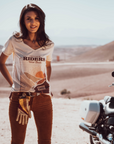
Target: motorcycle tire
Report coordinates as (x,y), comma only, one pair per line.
(94,140)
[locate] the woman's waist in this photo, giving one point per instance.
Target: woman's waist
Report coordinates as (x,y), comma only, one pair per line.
(41,98)
(24,94)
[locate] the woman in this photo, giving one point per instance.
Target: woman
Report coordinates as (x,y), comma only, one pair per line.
(32,53)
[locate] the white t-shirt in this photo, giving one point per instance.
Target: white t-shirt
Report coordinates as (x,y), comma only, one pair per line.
(29,65)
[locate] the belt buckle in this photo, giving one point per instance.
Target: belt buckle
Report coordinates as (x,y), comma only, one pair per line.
(23,95)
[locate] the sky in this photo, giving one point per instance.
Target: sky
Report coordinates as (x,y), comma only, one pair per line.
(68,22)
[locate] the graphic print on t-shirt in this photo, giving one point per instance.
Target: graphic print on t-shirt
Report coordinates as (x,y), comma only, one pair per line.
(32,73)
(39,78)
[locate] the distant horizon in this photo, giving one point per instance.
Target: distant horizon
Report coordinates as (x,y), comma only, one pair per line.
(67,46)
(78,45)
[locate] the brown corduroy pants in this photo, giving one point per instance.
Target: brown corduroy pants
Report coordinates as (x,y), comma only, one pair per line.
(42,110)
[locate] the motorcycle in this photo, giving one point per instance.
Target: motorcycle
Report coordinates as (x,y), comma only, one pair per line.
(98,119)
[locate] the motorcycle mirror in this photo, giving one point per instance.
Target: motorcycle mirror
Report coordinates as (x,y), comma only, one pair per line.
(113,74)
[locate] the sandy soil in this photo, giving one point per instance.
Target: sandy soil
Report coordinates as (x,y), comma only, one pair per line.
(84,81)
(65,123)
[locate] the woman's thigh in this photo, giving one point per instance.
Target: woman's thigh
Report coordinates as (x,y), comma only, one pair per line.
(17,130)
(42,110)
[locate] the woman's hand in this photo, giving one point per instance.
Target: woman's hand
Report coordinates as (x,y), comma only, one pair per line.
(4,70)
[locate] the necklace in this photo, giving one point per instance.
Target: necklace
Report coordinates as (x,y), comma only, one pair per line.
(33,41)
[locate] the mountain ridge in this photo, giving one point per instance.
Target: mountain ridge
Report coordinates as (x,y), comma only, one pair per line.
(99,54)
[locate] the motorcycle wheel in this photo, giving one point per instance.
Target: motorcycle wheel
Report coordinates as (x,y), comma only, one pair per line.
(94,140)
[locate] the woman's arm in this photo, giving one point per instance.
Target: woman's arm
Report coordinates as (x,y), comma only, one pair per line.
(4,70)
(48,66)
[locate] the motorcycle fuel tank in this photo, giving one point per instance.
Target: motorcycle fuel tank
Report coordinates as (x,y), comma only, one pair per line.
(90,110)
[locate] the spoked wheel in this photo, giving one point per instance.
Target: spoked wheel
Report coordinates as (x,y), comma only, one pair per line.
(94,140)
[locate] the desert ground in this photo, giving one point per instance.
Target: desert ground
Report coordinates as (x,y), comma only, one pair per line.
(84,81)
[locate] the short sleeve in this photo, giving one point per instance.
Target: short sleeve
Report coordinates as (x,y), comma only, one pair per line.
(49,57)
(8,48)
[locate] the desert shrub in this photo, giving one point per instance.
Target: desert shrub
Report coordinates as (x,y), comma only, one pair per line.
(64,91)
(112,59)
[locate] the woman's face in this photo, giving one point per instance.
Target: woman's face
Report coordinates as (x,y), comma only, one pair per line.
(31,21)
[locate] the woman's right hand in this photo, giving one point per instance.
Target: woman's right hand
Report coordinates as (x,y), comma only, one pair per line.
(4,70)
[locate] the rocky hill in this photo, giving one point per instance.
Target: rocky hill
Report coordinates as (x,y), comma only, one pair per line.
(100,54)
(65,53)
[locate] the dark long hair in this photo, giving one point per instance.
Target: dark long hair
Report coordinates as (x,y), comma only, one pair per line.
(41,36)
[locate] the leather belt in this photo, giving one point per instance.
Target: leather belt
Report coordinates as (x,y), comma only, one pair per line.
(24,94)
